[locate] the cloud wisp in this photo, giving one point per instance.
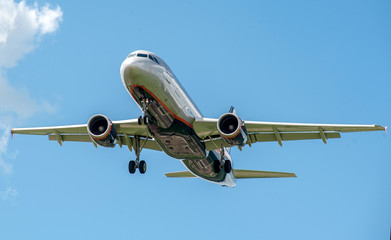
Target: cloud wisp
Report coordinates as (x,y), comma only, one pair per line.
(21,29)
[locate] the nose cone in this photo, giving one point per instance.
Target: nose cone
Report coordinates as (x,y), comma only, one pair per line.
(139,71)
(131,70)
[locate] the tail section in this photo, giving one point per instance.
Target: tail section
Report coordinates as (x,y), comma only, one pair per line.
(239,174)
(260,174)
(184,174)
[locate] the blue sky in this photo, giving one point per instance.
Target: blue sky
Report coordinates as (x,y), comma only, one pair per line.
(306,61)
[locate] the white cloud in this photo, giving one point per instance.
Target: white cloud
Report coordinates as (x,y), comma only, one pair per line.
(21,28)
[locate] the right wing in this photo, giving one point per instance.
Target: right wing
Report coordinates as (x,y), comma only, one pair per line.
(206,129)
(126,130)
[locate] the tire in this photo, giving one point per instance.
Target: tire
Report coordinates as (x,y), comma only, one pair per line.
(140,120)
(227,166)
(216,166)
(132,167)
(142,167)
(146,120)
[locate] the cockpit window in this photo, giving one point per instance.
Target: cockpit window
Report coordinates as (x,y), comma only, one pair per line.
(142,55)
(131,55)
(153,59)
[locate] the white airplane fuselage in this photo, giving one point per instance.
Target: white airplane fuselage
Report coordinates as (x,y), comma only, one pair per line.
(171,114)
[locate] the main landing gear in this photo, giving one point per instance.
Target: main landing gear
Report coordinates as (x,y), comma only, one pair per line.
(141,165)
(142,120)
(222,163)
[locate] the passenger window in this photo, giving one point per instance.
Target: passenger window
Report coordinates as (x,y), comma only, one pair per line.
(142,55)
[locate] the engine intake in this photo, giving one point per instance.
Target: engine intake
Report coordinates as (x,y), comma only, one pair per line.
(232,129)
(102,131)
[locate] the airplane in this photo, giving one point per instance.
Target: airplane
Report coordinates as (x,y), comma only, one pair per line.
(172,123)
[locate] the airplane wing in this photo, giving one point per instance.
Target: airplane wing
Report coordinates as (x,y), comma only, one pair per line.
(206,129)
(126,130)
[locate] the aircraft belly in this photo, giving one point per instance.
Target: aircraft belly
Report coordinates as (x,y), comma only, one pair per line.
(178,141)
(174,135)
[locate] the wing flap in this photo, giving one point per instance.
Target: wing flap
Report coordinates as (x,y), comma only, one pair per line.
(73,129)
(271,137)
(237,173)
(252,126)
(150,144)
(71,138)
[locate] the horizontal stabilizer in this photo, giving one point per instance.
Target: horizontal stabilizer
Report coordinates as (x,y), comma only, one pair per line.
(185,174)
(260,174)
(238,174)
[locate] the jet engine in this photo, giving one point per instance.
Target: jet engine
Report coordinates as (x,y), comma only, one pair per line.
(232,129)
(102,131)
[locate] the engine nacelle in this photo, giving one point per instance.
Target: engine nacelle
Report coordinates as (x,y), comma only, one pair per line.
(102,131)
(232,129)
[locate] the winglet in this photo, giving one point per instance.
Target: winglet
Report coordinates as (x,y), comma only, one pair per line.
(385,129)
(12,134)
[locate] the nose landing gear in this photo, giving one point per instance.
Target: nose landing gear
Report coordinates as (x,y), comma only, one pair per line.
(145,102)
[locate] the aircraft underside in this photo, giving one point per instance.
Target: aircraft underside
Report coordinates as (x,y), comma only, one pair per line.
(176,138)
(171,122)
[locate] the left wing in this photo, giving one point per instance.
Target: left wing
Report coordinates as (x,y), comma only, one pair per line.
(276,131)
(125,129)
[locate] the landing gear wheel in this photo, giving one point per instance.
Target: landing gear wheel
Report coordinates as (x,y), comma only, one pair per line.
(140,120)
(132,167)
(216,166)
(142,167)
(146,120)
(227,166)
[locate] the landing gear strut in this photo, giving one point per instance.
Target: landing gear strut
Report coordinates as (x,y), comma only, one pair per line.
(141,165)
(145,102)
